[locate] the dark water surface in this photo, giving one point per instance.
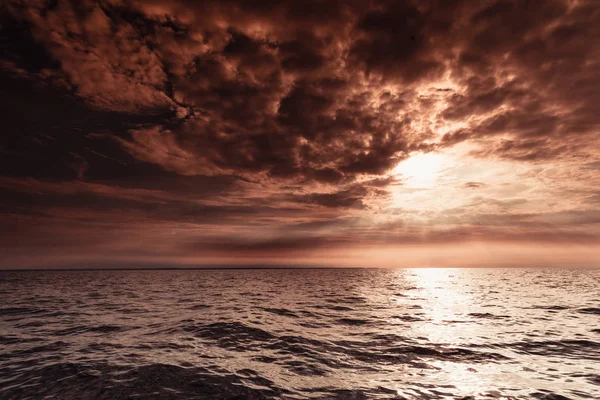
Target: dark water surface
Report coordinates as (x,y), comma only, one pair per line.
(295,334)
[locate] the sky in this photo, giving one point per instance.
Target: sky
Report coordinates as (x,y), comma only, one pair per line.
(318,132)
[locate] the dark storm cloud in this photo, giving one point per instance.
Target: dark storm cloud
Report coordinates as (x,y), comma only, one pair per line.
(298,100)
(395,41)
(530,75)
(44,126)
(278,113)
(277,103)
(81,201)
(349,198)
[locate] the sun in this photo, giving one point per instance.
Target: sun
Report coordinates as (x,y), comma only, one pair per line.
(421,170)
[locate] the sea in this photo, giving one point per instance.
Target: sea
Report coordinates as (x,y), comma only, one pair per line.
(300,334)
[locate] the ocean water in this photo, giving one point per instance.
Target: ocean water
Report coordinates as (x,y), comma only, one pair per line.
(296,334)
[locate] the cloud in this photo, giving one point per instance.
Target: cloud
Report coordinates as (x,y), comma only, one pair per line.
(520,91)
(349,198)
(342,96)
(269,247)
(250,118)
(102,57)
(474,185)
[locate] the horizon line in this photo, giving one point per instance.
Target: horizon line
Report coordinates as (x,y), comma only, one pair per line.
(236,268)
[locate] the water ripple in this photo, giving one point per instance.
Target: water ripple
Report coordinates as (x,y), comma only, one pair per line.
(297,334)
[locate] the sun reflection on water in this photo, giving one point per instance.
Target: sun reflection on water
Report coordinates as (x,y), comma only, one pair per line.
(446,300)
(443,297)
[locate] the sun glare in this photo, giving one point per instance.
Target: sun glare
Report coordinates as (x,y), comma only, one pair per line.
(421,170)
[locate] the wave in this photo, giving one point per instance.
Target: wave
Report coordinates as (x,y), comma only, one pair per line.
(153,381)
(283,335)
